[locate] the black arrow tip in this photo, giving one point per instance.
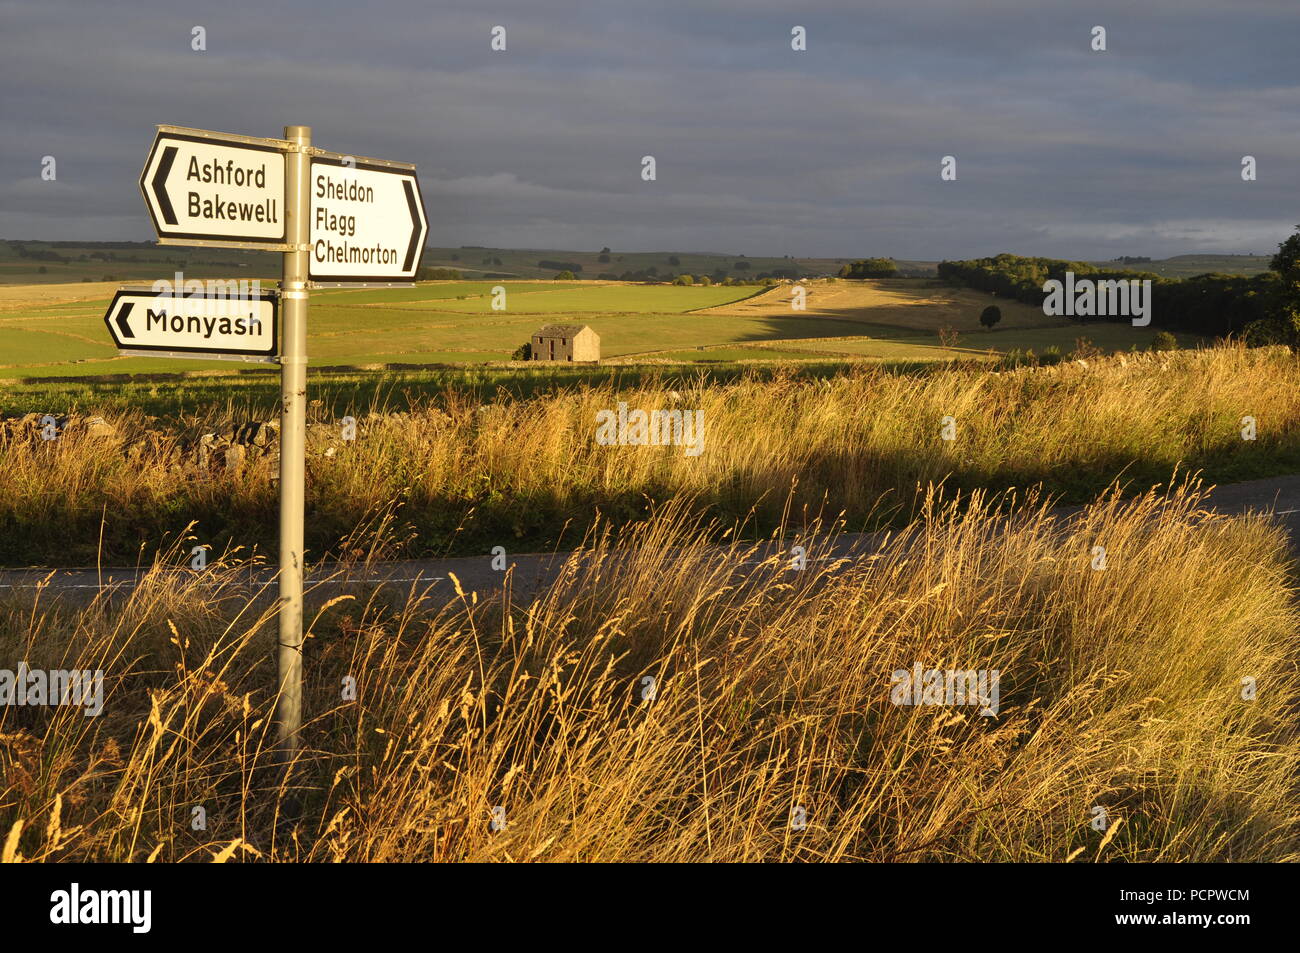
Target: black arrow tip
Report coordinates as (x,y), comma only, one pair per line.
(417,233)
(160,185)
(122,326)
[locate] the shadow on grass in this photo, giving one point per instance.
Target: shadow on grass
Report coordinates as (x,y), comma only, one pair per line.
(865,493)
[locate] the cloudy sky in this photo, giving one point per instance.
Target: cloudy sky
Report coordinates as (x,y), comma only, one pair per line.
(760,150)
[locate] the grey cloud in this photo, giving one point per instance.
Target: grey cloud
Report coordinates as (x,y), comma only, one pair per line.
(760,150)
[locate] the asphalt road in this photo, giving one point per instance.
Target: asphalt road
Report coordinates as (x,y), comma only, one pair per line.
(432,578)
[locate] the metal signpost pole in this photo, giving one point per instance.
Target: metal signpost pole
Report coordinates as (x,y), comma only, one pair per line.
(293,430)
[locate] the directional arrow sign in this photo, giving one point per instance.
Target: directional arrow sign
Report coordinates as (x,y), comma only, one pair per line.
(210,324)
(200,187)
(367,221)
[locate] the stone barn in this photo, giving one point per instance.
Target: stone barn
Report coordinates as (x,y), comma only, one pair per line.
(566,342)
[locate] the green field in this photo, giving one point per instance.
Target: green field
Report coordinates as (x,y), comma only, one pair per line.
(42,334)
(552,297)
(434,323)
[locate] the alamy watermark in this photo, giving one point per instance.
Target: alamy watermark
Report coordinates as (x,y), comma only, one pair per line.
(936,686)
(231,289)
(657,428)
(38,687)
(77,905)
(1109,298)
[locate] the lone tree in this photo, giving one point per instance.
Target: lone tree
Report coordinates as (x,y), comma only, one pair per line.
(990,316)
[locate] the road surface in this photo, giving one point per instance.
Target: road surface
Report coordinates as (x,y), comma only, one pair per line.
(431,578)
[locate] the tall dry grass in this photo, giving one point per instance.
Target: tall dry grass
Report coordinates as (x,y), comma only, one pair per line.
(1120,688)
(460,477)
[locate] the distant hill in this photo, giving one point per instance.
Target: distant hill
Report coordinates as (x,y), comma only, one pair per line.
(1187,266)
(474,262)
(31,262)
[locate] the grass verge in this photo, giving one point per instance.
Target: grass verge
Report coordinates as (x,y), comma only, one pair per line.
(1119,689)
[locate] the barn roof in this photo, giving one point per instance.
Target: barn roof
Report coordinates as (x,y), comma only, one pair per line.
(561,330)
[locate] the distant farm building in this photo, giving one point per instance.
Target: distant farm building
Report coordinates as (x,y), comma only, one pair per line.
(566,342)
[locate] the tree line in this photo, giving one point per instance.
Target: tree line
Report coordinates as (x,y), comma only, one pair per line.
(870,268)
(1212,305)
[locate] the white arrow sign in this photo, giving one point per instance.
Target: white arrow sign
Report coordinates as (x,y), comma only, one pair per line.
(200,187)
(210,324)
(367,221)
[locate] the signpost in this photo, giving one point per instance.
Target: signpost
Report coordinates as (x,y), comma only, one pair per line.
(342,219)
(367,220)
(209,325)
(205,188)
